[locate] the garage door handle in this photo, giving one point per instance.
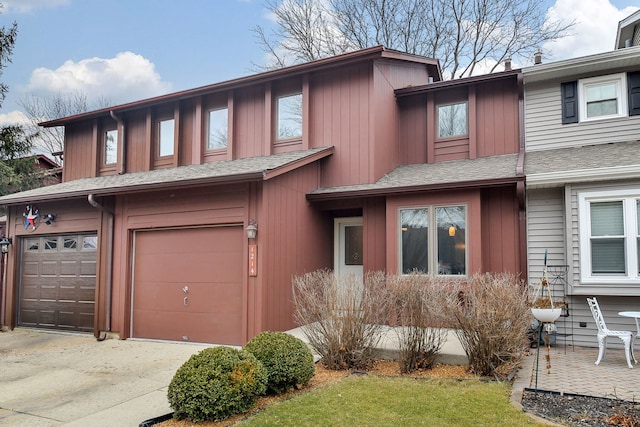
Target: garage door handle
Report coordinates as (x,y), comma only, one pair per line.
(185,301)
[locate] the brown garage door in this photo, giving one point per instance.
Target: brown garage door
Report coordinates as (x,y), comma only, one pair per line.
(58,282)
(188,285)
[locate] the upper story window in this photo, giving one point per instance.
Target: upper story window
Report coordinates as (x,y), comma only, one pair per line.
(600,98)
(603,97)
(452,120)
(433,240)
(289,116)
(218,126)
(610,237)
(166,135)
(110,147)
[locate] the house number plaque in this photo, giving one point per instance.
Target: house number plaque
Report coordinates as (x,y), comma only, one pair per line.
(253,260)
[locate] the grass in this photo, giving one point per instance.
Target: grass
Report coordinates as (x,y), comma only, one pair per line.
(375,401)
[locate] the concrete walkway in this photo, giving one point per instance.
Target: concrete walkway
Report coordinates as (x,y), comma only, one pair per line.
(55,379)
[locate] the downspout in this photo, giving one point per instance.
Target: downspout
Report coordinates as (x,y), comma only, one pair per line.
(121,147)
(521,184)
(92,201)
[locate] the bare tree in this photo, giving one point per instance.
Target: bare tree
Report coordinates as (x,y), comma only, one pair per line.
(39,109)
(462,34)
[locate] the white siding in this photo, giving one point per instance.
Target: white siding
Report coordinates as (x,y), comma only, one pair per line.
(544,129)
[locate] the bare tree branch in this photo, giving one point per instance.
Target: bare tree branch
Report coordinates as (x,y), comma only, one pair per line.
(467,36)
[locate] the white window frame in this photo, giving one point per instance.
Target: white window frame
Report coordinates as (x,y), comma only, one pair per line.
(466,118)
(432,238)
(620,81)
(629,199)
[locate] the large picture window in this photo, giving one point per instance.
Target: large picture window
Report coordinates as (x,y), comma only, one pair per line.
(289,116)
(452,120)
(433,240)
(610,237)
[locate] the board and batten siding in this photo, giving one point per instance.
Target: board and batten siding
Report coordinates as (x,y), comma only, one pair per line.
(544,129)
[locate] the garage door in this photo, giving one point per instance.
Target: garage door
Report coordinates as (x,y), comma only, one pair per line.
(58,282)
(188,285)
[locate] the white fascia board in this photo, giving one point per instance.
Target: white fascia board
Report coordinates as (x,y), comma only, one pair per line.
(547,179)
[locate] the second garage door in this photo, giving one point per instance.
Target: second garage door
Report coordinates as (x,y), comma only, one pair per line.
(188,285)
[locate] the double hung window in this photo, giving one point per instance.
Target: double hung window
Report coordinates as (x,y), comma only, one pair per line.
(433,240)
(610,237)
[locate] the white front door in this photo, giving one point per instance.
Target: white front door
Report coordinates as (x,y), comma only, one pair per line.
(348,249)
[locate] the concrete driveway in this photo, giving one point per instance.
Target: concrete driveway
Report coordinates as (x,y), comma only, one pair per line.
(54,379)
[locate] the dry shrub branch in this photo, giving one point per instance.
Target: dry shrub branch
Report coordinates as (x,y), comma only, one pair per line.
(418,308)
(492,318)
(342,318)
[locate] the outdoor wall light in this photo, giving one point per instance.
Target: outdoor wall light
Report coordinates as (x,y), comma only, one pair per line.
(252,229)
(49,218)
(4,244)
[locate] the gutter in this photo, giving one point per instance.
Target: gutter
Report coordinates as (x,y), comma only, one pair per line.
(521,185)
(110,230)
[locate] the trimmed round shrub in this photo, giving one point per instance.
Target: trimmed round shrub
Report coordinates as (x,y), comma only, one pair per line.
(216,383)
(287,359)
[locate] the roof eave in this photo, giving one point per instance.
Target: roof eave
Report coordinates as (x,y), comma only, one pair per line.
(390,191)
(448,84)
(372,53)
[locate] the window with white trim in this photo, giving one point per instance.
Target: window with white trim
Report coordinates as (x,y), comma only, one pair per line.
(610,237)
(603,97)
(438,250)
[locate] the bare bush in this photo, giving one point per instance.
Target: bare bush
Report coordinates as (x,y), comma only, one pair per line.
(418,310)
(492,318)
(341,318)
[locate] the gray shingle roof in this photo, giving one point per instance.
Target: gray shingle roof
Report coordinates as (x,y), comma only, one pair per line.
(587,157)
(450,173)
(253,168)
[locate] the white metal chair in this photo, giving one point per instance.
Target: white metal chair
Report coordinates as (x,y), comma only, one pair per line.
(627,337)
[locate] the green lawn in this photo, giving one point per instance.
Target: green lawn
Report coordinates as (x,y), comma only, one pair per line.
(374,401)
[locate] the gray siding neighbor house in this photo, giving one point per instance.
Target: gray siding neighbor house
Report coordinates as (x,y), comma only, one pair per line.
(582,168)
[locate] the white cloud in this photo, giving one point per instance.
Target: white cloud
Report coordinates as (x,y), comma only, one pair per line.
(26,6)
(596,24)
(127,77)
(13,118)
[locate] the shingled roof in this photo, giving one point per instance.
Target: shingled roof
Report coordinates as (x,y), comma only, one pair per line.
(599,162)
(231,171)
(451,174)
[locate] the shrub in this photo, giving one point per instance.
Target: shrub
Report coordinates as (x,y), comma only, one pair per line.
(341,318)
(287,360)
(493,318)
(215,384)
(417,309)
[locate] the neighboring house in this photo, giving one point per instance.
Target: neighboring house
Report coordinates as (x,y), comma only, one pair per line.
(582,163)
(362,162)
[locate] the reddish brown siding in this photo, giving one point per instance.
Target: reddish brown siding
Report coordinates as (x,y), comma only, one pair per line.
(500,232)
(340,110)
(249,126)
(80,153)
(293,239)
(497,118)
(374,240)
(413,130)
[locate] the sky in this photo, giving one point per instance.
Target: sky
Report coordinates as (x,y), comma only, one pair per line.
(127,50)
